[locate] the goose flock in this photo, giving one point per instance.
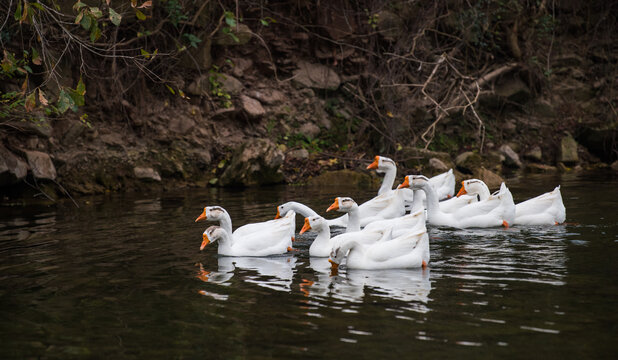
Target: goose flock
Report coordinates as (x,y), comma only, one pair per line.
(390,230)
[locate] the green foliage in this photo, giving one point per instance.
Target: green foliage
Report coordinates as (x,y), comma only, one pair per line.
(216,87)
(193,40)
(372,19)
(174,12)
(230,21)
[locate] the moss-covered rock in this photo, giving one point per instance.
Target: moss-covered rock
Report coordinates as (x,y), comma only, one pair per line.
(257,162)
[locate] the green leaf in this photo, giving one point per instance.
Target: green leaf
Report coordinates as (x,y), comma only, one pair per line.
(18,11)
(140,15)
(36,6)
(114,17)
(229,19)
(78,5)
(81,87)
(96,12)
(86,22)
(145,53)
(28,69)
(95,33)
(170,89)
(264,22)
(65,102)
(36,58)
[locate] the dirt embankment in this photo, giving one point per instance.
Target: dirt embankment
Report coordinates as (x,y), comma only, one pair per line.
(292,107)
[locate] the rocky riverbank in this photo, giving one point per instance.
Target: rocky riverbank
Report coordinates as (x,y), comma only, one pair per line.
(269,109)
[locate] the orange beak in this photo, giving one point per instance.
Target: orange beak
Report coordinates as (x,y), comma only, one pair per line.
(334,267)
(334,206)
(404,184)
(278,216)
(462,191)
(374,164)
(306,226)
(205,242)
(202,216)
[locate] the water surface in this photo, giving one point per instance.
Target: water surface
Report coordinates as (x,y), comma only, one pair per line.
(123,277)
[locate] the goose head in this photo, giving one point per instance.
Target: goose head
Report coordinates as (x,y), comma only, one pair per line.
(343,204)
(212,234)
(212,213)
(382,164)
(282,209)
(313,223)
(414,181)
(472,187)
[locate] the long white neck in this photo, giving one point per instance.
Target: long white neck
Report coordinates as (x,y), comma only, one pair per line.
(351,245)
(483,192)
(323,238)
(302,209)
(389,180)
(353,220)
(225,221)
(225,240)
(433,208)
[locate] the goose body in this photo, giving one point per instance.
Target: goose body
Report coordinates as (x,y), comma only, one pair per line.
(497,210)
(545,209)
(256,239)
(407,251)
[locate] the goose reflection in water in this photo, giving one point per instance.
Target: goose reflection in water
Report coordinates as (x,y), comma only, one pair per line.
(273,272)
(409,285)
(522,254)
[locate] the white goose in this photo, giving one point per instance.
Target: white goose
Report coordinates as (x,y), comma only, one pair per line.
(257,239)
(497,210)
(545,209)
(323,243)
(407,251)
(387,166)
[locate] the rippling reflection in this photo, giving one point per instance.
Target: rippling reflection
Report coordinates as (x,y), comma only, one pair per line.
(275,272)
(517,254)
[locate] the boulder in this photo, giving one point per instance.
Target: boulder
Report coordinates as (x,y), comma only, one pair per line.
(568,150)
(181,124)
(615,165)
(300,154)
(256,162)
(199,86)
(438,165)
(41,165)
(146,174)
(310,130)
(511,159)
(240,66)
(242,34)
(534,154)
(12,168)
(490,178)
(230,84)
(316,76)
(468,162)
(270,97)
(252,107)
(350,178)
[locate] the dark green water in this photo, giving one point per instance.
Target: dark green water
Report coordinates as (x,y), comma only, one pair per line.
(122,277)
